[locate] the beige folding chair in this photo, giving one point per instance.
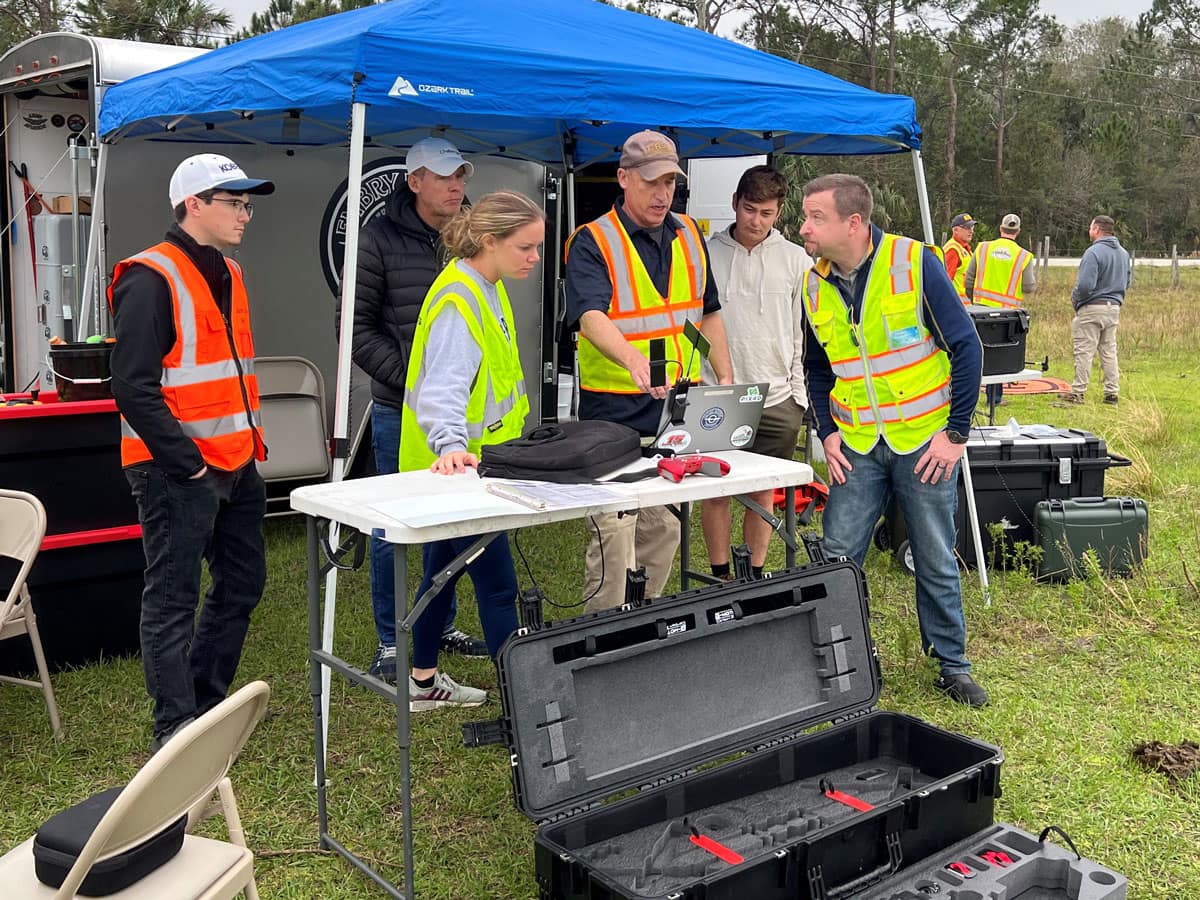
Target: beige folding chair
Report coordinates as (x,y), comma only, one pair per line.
(22,527)
(179,779)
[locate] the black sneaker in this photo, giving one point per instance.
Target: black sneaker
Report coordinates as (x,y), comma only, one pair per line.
(383,666)
(962,689)
(1111,399)
(464,645)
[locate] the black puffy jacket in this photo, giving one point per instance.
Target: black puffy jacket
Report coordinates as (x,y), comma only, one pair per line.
(398,259)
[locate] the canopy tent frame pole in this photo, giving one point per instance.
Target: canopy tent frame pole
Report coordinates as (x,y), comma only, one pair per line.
(341,414)
(968,481)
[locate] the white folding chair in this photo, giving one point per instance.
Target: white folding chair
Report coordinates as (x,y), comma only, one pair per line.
(22,527)
(179,779)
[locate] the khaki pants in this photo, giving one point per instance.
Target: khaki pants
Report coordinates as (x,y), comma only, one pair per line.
(647,537)
(1095,326)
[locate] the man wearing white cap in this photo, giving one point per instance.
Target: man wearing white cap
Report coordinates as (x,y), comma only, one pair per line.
(623,271)
(183,379)
(398,259)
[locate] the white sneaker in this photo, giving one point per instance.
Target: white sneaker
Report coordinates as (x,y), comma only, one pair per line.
(444,692)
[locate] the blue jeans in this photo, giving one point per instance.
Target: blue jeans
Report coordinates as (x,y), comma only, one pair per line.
(853,509)
(385,440)
(495,582)
(189,661)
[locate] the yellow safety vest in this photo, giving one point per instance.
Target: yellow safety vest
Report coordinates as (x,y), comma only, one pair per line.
(892,379)
(639,311)
(962,253)
(999,265)
(497,405)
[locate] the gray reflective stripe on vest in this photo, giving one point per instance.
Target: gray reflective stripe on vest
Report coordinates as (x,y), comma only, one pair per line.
(198,374)
(187,305)
(901,249)
(205,428)
(202,429)
(814,288)
(624,293)
(886,363)
(664,320)
(893,412)
(696,252)
(1005,299)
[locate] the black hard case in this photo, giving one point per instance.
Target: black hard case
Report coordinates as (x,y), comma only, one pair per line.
(1003,863)
(1002,332)
(646,701)
(1011,476)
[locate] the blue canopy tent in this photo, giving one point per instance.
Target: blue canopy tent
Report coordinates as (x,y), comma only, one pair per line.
(561,82)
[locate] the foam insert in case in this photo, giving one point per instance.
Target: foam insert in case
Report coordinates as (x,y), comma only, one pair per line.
(697,709)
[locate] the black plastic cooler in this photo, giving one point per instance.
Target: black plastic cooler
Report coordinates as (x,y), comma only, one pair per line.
(646,701)
(1012,475)
(1002,332)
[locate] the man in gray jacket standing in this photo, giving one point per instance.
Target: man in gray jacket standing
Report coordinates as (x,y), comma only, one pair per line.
(1097,297)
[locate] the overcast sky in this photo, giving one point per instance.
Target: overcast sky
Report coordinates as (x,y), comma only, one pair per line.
(1069,12)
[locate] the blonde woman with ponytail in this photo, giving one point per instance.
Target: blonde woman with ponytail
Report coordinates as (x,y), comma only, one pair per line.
(465,390)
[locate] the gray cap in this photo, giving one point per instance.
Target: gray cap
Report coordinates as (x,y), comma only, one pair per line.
(1011,222)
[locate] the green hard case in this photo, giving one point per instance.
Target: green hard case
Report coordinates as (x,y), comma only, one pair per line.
(1115,528)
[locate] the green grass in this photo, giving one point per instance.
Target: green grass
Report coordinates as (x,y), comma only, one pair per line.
(1079,674)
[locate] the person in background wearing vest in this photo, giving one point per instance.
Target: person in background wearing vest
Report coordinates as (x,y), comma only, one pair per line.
(893,364)
(760,275)
(183,379)
(1097,297)
(957,251)
(398,259)
(628,272)
(1000,275)
(465,390)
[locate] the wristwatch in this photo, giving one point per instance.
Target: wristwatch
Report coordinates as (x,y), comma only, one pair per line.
(955,437)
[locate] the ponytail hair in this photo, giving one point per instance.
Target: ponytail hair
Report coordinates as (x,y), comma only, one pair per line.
(498,214)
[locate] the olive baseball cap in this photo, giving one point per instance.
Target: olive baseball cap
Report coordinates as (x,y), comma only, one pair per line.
(651,154)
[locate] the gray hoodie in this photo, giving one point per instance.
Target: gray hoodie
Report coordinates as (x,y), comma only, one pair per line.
(1103,273)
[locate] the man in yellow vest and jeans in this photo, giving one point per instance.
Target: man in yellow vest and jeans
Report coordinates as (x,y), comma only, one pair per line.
(1000,275)
(893,364)
(637,273)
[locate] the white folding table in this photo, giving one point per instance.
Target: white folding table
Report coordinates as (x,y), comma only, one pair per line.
(355,503)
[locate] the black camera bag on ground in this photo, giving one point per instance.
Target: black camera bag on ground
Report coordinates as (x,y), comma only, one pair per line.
(62,837)
(566,453)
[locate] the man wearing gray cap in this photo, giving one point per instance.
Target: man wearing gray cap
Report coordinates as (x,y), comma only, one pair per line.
(624,270)
(183,379)
(1000,275)
(398,259)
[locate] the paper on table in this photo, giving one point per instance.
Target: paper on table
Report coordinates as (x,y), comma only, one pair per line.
(550,495)
(438,509)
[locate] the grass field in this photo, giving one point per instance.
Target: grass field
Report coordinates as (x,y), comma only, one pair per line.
(1079,674)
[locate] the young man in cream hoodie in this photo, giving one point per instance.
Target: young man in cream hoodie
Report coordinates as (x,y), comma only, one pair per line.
(759,276)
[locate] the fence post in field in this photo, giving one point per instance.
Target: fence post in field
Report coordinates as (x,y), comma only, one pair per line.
(1045,256)
(1132,266)
(1174,265)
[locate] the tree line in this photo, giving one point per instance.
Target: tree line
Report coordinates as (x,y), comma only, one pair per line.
(1019,113)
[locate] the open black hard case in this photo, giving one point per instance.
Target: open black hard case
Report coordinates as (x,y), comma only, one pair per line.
(658,703)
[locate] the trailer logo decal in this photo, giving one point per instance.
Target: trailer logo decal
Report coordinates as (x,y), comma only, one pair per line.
(35,121)
(402,87)
(379,179)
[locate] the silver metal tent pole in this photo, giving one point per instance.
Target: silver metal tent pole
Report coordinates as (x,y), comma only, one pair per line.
(91,272)
(968,482)
(341,409)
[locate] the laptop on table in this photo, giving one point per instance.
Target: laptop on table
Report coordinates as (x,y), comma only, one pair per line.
(708,418)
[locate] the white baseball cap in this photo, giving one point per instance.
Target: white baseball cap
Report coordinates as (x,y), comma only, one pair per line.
(211,171)
(438,156)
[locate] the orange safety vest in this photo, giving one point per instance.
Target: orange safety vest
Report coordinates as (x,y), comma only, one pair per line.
(212,392)
(639,311)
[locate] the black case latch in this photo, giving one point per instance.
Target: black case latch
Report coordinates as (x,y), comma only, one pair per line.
(483,734)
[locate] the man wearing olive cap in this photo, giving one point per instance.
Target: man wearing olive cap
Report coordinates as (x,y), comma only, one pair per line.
(626,270)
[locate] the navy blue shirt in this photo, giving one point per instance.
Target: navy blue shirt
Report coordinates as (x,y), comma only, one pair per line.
(948,323)
(589,287)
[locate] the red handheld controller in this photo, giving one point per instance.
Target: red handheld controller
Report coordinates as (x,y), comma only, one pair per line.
(676,468)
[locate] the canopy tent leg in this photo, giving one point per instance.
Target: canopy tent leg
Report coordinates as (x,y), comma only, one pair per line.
(968,482)
(341,414)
